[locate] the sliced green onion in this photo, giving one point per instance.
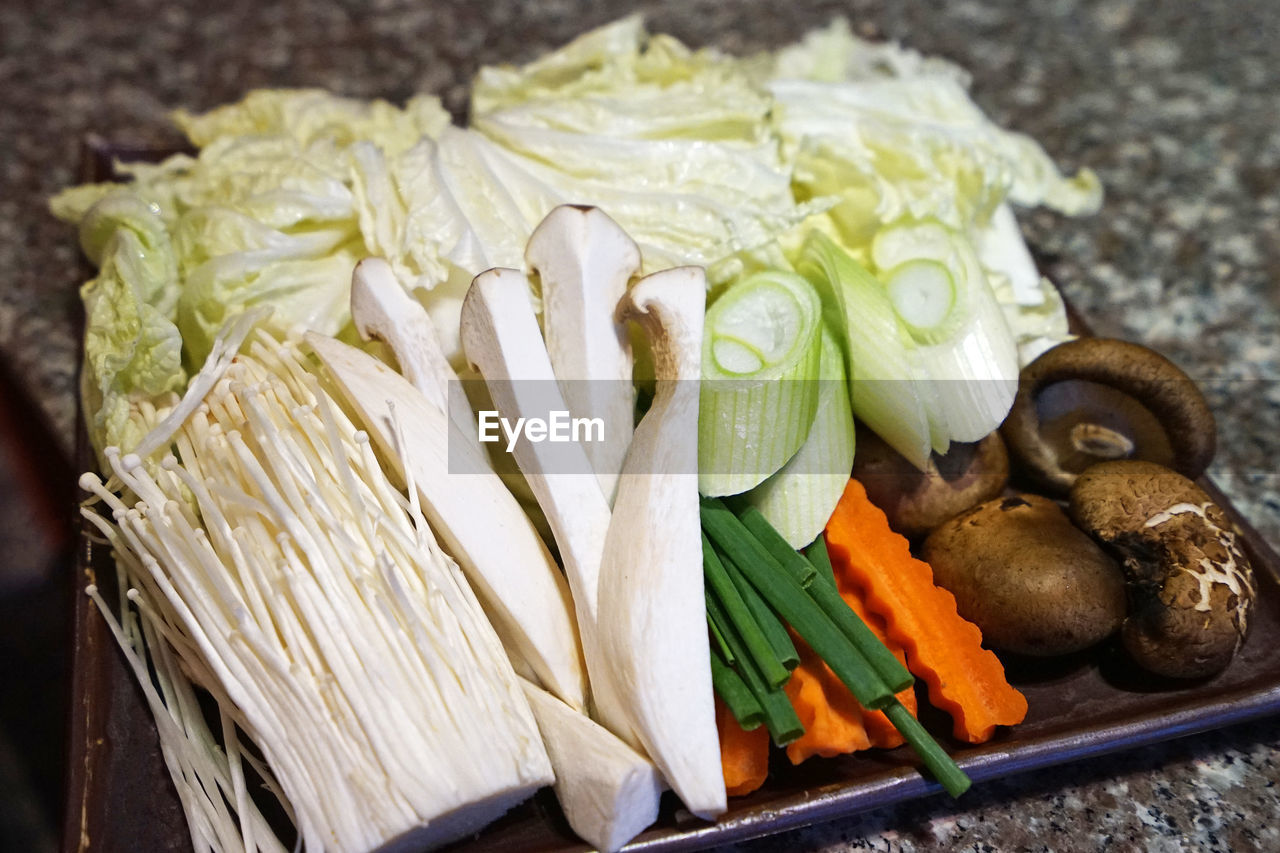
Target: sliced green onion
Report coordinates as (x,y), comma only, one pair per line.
(784,593)
(760,354)
(799,499)
(770,625)
(820,558)
(887,390)
(923,294)
(969,354)
(741,619)
(735,694)
(935,758)
(824,592)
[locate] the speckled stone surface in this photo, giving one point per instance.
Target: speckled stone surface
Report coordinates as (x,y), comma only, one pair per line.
(1173,104)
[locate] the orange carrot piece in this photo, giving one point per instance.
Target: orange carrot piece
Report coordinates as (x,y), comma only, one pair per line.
(944,650)
(882,733)
(834,722)
(744,756)
(832,718)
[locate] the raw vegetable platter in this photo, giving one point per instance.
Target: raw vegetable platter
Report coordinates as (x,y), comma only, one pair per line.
(1079,708)
(1111,706)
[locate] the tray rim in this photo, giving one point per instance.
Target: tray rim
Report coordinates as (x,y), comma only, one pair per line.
(93,650)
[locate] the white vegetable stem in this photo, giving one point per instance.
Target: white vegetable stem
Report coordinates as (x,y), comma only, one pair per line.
(209,777)
(501,339)
(652,613)
(761,352)
(1032,306)
(609,792)
(584,261)
(223,352)
(296,585)
(886,388)
(381,309)
(923,293)
(799,499)
(966,350)
(477,518)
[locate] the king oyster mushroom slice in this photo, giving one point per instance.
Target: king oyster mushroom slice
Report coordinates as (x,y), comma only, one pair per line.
(584,260)
(652,614)
(1191,587)
(500,335)
(609,792)
(1096,399)
(381,309)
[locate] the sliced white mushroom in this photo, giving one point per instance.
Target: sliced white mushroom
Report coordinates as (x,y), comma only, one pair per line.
(609,792)
(584,260)
(381,309)
(652,617)
(502,341)
(474,515)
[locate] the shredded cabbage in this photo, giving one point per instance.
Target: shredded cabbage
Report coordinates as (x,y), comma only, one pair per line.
(704,158)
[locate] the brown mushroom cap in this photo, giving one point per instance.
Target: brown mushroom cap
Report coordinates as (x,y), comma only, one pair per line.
(1191,587)
(916,501)
(1030,580)
(1095,399)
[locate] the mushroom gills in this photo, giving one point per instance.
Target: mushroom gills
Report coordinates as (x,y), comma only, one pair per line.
(1094,400)
(1087,422)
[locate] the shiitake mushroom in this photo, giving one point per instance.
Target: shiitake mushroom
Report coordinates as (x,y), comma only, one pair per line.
(1030,580)
(1096,399)
(916,501)
(1191,587)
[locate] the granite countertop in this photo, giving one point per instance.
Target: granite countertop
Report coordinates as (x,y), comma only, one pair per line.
(1173,105)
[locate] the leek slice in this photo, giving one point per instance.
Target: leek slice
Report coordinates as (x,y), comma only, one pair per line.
(923,293)
(799,499)
(887,389)
(760,354)
(939,290)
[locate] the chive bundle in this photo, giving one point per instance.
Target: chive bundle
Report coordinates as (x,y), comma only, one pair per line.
(824,592)
(726,595)
(755,581)
(770,625)
(751,671)
(783,586)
